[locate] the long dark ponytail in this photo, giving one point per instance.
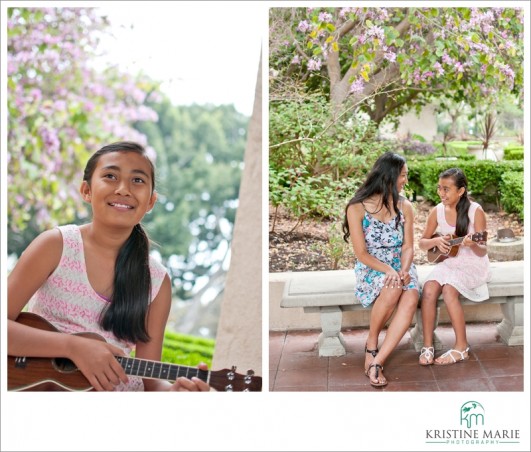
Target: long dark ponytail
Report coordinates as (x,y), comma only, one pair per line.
(381,180)
(125,315)
(460,181)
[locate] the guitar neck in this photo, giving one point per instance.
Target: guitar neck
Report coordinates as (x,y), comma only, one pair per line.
(159,370)
(456,241)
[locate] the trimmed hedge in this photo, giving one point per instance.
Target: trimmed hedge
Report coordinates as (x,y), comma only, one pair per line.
(484,180)
(512,192)
(187,350)
(513,152)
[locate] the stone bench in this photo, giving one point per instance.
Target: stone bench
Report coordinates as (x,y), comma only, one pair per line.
(330,293)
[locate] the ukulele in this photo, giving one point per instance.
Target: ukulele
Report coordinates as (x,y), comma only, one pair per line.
(435,255)
(61,374)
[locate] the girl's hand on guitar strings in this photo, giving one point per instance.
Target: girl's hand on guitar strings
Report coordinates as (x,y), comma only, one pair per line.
(194,384)
(96,361)
(442,244)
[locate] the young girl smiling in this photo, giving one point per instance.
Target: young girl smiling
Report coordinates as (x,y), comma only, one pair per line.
(467,273)
(99,278)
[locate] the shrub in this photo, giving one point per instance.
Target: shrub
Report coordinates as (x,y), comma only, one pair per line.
(484,177)
(512,192)
(413,147)
(335,248)
(418,137)
(461,147)
(187,350)
(513,152)
(314,161)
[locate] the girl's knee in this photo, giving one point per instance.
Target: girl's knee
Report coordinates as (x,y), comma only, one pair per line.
(390,297)
(449,292)
(410,300)
(450,296)
(430,293)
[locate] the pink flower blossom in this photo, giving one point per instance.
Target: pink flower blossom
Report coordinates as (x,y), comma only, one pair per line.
(314,64)
(303,26)
(345,11)
(50,140)
(416,76)
(357,86)
(438,67)
(325,17)
(446,59)
(376,32)
(390,56)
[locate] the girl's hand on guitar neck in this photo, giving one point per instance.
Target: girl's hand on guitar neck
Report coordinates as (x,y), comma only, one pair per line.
(194,384)
(467,241)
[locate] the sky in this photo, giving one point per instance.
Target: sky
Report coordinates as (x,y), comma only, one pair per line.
(203,52)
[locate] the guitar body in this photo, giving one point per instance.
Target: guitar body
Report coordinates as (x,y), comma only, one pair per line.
(45,374)
(61,374)
(434,254)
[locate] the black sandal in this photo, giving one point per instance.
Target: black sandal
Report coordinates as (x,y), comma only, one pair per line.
(378,367)
(372,352)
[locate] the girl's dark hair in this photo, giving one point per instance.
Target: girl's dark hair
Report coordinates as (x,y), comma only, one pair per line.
(125,315)
(460,181)
(381,180)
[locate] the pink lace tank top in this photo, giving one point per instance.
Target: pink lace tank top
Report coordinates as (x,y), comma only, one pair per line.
(68,301)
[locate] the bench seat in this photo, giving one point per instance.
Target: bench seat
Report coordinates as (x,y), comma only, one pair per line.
(330,293)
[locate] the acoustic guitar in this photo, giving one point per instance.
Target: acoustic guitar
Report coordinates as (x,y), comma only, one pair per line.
(435,255)
(61,374)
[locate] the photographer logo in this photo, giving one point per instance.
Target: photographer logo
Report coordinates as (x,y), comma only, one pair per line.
(472,430)
(472,414)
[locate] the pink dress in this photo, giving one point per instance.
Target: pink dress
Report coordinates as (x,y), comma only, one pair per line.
(68,301)
(467,272)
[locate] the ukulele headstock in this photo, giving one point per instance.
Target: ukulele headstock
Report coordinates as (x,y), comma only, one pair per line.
(480,237)
(228,380)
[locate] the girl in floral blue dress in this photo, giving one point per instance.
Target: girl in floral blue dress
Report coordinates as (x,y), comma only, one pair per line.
(379,223)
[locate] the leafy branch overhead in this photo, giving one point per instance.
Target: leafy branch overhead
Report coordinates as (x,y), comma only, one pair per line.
(400,56)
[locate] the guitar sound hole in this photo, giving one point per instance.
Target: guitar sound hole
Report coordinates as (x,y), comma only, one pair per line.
(64,365)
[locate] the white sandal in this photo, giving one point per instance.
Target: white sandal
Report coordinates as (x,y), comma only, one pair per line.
(450,353)
(428,354)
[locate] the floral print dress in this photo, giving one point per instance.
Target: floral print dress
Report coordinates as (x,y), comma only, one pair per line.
(384,242)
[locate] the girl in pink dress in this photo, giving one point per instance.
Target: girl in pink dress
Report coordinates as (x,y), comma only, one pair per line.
(467,273)
(99,278)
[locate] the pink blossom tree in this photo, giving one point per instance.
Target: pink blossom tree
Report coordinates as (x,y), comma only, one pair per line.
(61,109)
(385,60)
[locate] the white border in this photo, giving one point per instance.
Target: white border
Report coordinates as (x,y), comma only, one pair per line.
(256,421)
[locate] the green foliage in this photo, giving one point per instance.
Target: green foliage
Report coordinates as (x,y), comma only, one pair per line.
(335,248)
(187,350)
(317,161)
(512,192)
(387,60)
(199,165)
(60,110)
(418,137)
(484,177)
(513,152)
(458,148)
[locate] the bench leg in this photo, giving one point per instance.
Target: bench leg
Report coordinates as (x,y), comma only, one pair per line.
(511,328)
(331,341)
(417,332)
